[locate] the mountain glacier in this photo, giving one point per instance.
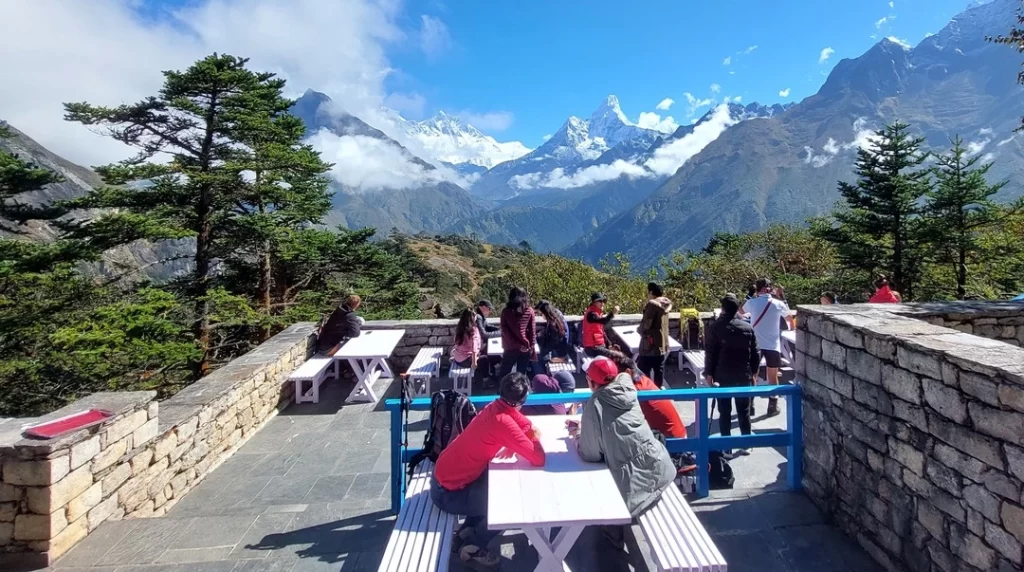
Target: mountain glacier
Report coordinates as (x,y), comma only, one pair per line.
(448,139)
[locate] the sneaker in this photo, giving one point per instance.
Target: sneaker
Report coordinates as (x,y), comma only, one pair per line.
(461,538)
(478,558)
(773,408)
(742,452)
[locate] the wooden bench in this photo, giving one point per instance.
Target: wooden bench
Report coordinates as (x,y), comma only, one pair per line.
(425,367)
(315,371)
(422,538)
(678,540)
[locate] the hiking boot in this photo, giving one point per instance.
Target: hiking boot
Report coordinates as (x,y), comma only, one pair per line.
(773,407)
(462,536)
(741,452)
(478,558)
(614,535)
(751,409)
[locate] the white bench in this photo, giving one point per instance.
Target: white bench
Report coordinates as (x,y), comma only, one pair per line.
(315,371)
(425,367)
(422,538)
(678,540)
(693,360)
(462,379)
(555,367)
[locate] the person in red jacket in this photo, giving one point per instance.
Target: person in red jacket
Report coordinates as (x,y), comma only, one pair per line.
(661,414)
(595,343)
(883,293)
(459,482)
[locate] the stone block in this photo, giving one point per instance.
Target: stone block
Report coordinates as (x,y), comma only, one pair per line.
(980,386)
(9,493)
(973,550)
(870,436)
(165,445)
(943,477)
(864,366)
(813,348)
(146,433)
(45,500)
(1003,542)
(978,446)
(948,504)
(111,454)
(6,533)
(833,354)
(902,383)
(932,520)
(101,512)
(8,511)
(1015,459)
(919,362)
(912,414)
(990,331)
(141,461)
(975,522)
(39,526)
(1012,517)
(1012,397)
(844,384)
(998,483)
(84,452)
(944,399)
(882,348)
(115,479)
(67,538)
(942,558)
(36,473)
(964,464)
(83,503)
(849,337)
(123,427)
(907,455)
(1005,425)
(979,499)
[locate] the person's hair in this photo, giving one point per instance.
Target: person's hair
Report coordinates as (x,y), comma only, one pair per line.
(622,361)
(514,388)
(353,300)
(831,296)
(552,316)
(466,323)
(881,280)
(517,299)
(762,283)
(655,288)
(730,307)
(751,290)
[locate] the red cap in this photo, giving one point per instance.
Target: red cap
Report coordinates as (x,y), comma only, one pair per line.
(601,370)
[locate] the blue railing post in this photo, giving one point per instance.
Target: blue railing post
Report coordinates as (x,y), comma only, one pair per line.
(702,415)
(795,451)
(397,472)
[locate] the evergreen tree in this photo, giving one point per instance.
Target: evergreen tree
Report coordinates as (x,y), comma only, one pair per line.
(878,227)
(1015,39)
(958,208)
(201,120)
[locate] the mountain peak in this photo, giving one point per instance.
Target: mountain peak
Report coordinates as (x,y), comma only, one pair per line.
(609,111)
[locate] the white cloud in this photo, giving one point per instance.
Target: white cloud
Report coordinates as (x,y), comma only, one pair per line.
(715,88)
(434,37)
(490,121)
(976,147)
(410,105)
(669,158)
(881,22)
(1005,141)
(863,138)
(651,120)
(892,4)
(727,61)
(902,42)
(831,147)
(546,137)
(696,103)
(749,50)
(370,164)
(985,131)
(784,92)
(825,55)
(559,179)
(665,104)
(987,158)
(738,98)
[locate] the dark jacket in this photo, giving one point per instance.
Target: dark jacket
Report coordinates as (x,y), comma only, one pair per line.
(486,330)
(342,325)
(653,328)
(518,331)
(551,343)
(731,356)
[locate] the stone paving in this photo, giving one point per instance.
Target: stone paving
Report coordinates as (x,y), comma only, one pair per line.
(310,491)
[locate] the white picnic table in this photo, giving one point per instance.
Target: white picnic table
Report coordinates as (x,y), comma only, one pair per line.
(368,354)
(494,347)
(631,337)
(789,345)
(566,492)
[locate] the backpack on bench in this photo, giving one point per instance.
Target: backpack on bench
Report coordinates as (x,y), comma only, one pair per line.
(450,414)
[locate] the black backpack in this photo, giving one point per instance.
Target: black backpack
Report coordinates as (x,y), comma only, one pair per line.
(720,475)
(450,414)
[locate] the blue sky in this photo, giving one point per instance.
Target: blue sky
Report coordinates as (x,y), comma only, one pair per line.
(544,60)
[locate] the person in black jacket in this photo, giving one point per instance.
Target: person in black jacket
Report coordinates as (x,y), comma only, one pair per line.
(731,360)
(485,363)
(342,325)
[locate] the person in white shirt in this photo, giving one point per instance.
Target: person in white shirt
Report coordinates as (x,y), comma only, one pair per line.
(766,313)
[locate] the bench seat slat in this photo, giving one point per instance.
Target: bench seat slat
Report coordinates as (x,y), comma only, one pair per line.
(703,544)
(678,539)
(421,539)
(311,369)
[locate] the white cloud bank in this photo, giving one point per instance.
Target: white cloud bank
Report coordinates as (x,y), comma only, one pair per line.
(863,138)
(784,92)
(825,54)
(665,104)
(651,120)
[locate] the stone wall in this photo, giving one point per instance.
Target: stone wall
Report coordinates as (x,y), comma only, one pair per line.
(140,462)
(914,433)
(1003,321)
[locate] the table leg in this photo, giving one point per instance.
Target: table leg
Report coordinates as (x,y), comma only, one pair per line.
(366,374)
(552,554)
(385,369)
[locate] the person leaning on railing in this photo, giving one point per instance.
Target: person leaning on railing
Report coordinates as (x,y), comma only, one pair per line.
(731,360)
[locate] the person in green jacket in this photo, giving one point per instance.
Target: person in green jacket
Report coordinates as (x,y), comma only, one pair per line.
(613,431)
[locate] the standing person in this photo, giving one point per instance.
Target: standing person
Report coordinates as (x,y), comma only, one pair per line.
(518,333)
(827,298)
(766,313)
(883,292)
(613,431)
(342,325)
(653,332)
(554,342)
(731,360)
(484,309)
(466,351)
(459,482)
(595,343)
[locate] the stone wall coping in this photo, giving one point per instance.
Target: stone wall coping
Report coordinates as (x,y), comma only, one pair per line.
(117,402)
(449,322)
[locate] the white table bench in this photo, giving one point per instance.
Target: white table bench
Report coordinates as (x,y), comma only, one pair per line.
(788,345)
(462,377)
(315,370)
(425,367)
(560,494)
(368,355)
(693,360)
(631,338)
(678,540)
(422,537)
(494,348)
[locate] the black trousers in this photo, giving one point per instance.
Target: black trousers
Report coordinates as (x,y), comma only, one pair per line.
(725,415)
(597,351)
(653,367)
(521,361)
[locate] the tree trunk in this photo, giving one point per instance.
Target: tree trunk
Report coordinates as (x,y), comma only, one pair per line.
(961,274)
(204,259)
(265,280)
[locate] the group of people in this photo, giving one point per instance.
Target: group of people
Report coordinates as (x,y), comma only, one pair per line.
(615,428)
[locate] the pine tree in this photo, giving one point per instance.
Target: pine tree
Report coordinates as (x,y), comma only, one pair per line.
(878,227)
(959,208)
(1015,40)
(200,120)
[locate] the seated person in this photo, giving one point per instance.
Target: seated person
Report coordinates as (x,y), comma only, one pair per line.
(554,339)
(459,482)
(661,414)
(566,381)
(466,350)
(594,340)
(613,430)
(545,384)
(342,325)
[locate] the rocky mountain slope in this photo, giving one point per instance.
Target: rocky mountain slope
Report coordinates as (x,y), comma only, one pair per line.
(785,167)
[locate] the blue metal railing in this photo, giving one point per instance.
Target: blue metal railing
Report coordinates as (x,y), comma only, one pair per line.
(701,444)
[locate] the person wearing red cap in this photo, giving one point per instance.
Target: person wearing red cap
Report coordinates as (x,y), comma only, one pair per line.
(613,430)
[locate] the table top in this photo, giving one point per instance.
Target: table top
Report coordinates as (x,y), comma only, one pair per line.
(494,346)
(632,338)
(565,491)
(789,335)
(371,344)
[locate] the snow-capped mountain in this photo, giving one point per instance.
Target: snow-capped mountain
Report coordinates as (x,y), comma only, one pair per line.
(448,139)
